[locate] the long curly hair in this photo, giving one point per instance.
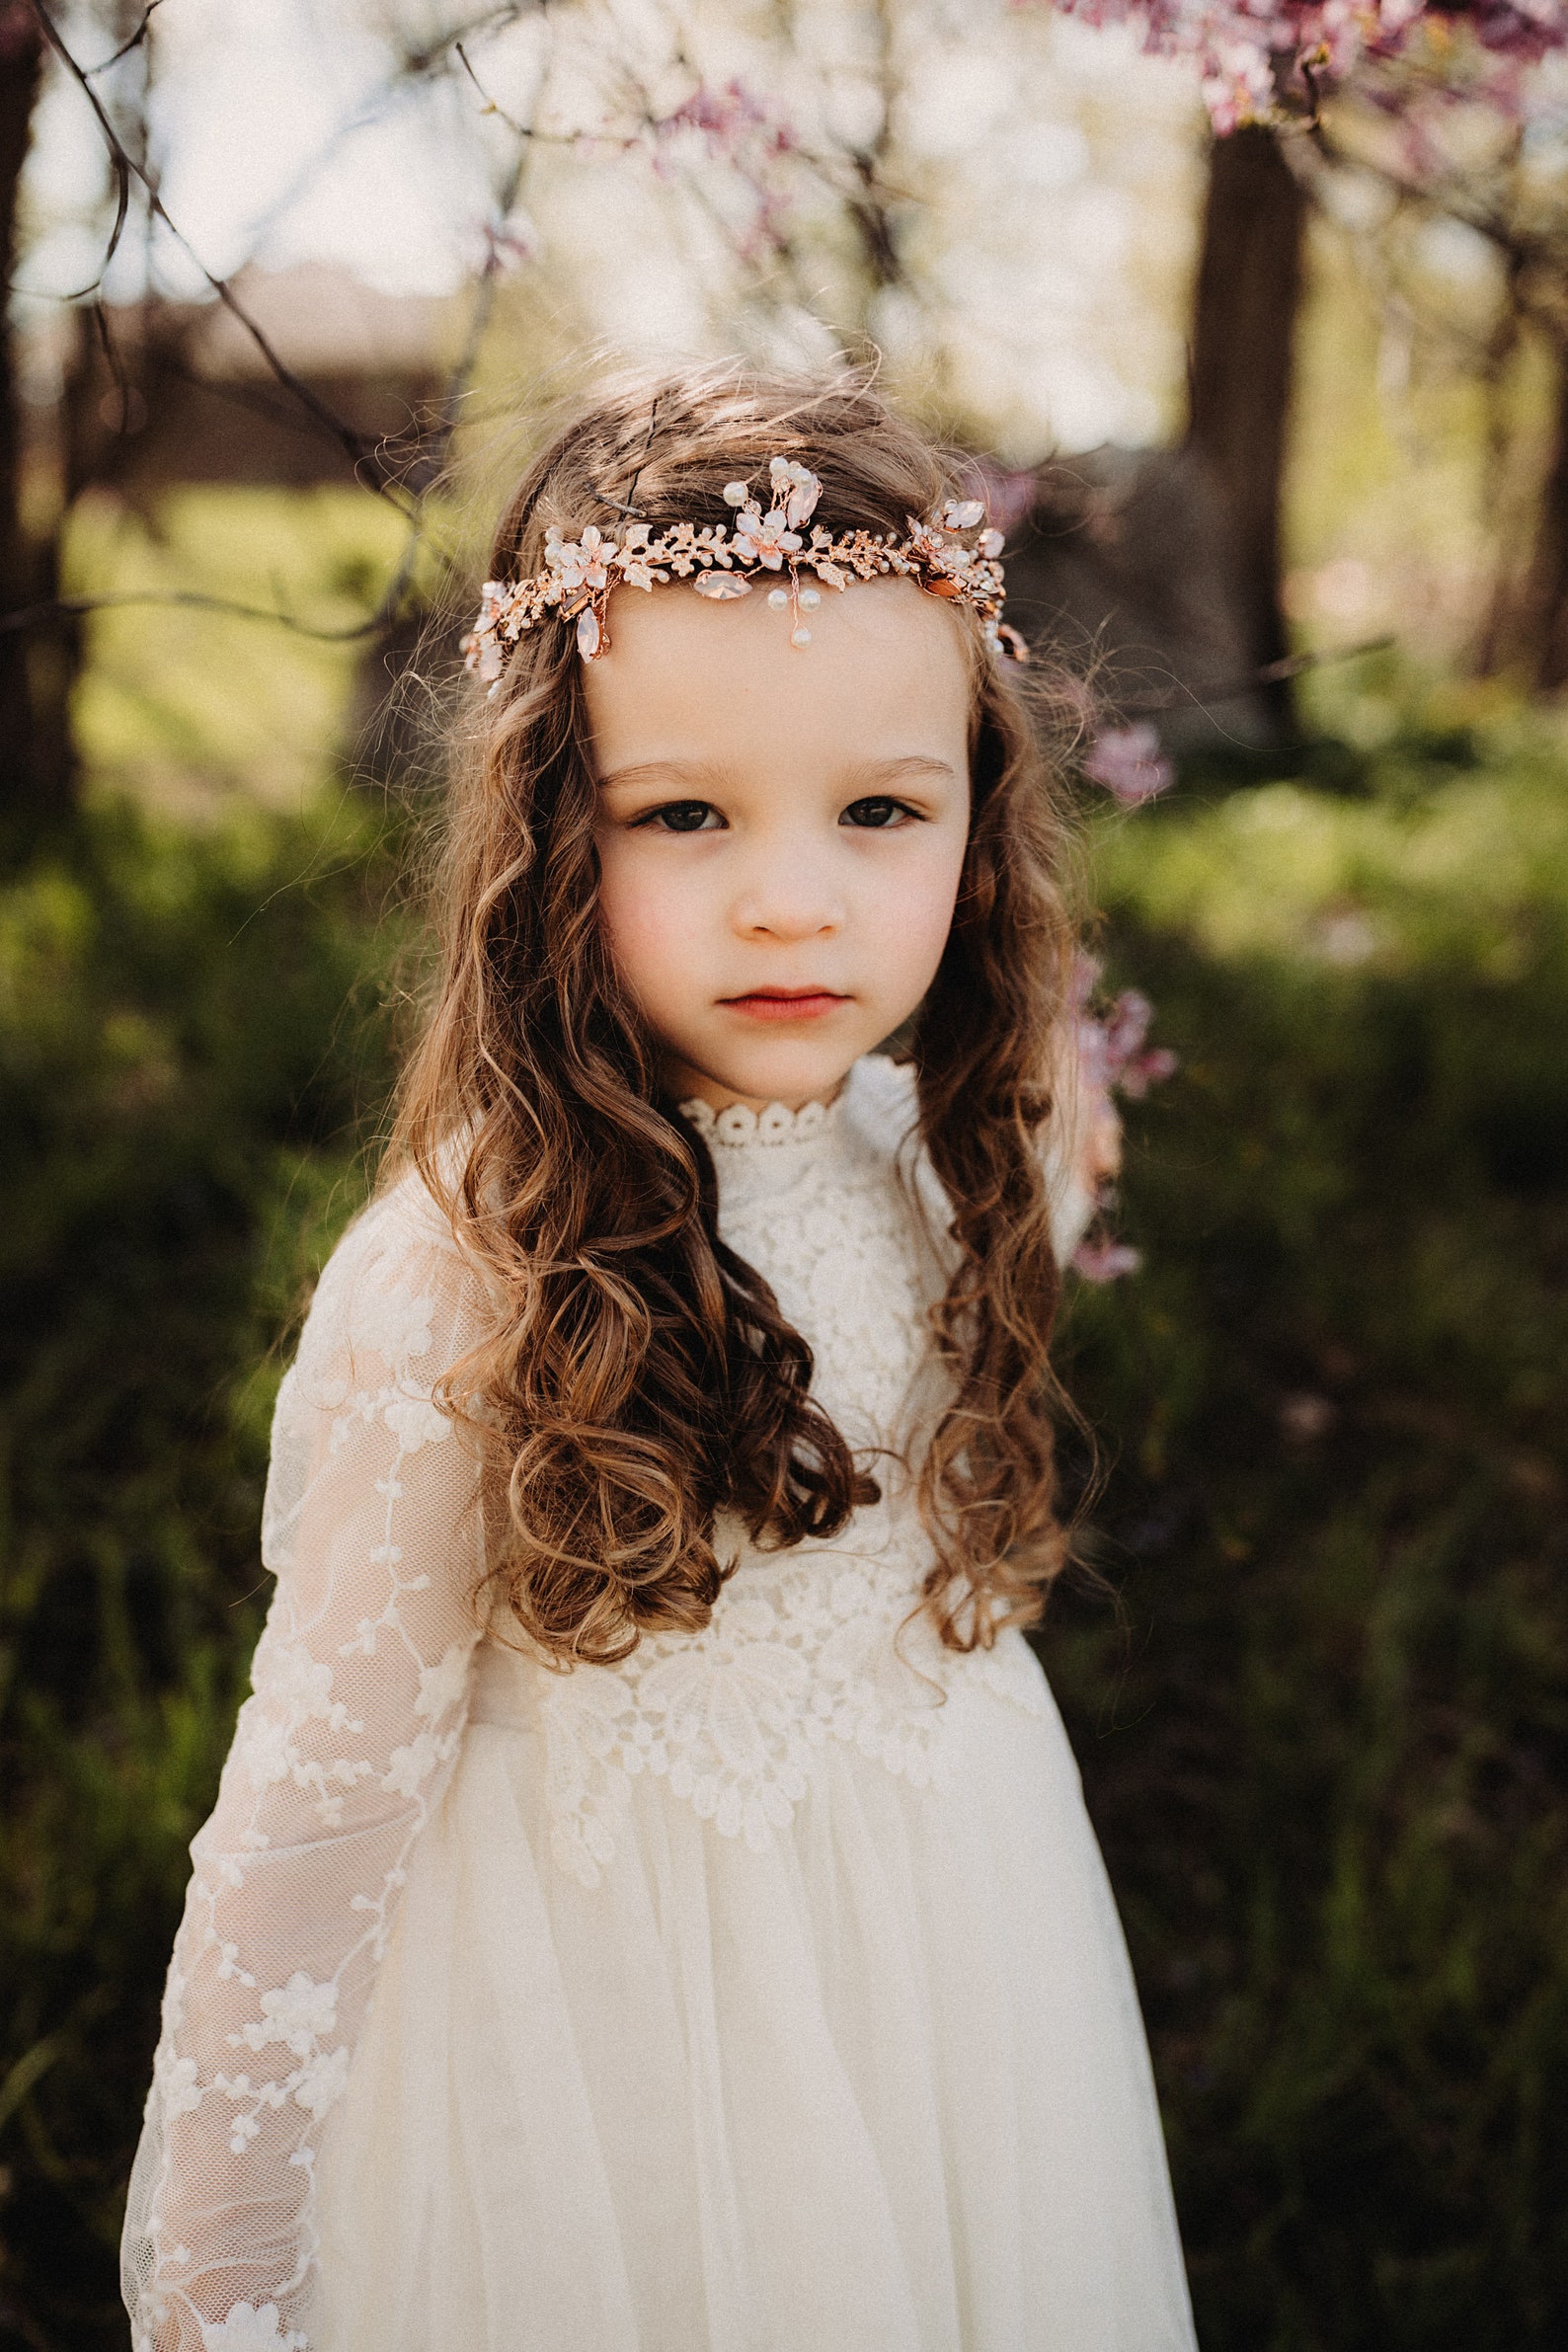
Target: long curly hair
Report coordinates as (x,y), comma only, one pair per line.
(638,1377)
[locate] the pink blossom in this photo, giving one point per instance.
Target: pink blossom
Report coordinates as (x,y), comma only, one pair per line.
(1248,50)
(580,562)
(1112,1056)
(508,244)
(1105,1261)
(763,540)
(739,131)
(1009,496)
(1129,762)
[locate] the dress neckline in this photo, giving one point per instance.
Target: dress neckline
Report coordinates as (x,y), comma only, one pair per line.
(737,1127)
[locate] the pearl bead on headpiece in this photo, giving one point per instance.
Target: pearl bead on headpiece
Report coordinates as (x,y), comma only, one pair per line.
(724,561)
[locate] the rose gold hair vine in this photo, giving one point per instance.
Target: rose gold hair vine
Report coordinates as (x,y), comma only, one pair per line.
(723,562)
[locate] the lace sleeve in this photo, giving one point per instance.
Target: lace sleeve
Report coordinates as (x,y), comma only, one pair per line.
(359,1694)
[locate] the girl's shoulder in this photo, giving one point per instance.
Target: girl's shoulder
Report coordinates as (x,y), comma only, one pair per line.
(880,1101)
(396,1287)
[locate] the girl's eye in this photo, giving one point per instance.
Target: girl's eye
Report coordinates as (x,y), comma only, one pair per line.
(875,812)
(682,817)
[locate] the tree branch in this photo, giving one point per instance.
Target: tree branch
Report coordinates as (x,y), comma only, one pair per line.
(1142,706)
(356,446)
(125,47)
(33,616)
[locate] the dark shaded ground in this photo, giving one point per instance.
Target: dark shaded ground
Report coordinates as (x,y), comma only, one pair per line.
(1324,1734)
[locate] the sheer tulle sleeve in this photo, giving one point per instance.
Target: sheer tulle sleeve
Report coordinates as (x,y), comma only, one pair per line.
(341,1754)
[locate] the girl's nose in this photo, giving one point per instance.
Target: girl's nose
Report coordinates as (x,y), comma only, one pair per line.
(788,897)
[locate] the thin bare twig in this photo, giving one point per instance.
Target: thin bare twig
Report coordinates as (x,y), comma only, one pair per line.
(528,131)
(413,66)
(125,47)
(356,446)
(1271,674)
(33,616)
(418,62)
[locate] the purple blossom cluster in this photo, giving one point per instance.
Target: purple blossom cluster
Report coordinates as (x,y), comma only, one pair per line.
(1251,51)
(1114,1057)
(745,133)
(1130,764)
(1114,1053)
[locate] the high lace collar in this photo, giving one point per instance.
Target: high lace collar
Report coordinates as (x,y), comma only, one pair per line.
(737,1128)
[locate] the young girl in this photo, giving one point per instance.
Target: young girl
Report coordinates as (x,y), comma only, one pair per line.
(650,1907)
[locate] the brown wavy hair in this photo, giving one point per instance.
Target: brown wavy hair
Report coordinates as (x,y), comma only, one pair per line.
(639,1377)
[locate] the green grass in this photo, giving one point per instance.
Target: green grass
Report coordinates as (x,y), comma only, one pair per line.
(191,1045)
(1327,1746)
(186,710)
(1324,1733)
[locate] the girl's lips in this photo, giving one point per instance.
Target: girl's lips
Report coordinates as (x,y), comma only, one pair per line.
(785,1004)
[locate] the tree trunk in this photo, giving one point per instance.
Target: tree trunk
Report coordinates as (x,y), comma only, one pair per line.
(1534,635)
(26,783)
(19,61)
(35,663)
(1249,283)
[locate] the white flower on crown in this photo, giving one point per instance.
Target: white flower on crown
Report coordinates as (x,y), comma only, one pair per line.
(681,545)
(581,563)
(764,539)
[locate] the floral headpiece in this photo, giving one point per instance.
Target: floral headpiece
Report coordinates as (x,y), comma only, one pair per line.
(724,561)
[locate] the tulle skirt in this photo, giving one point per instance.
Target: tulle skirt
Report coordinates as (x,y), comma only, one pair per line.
(879,2087)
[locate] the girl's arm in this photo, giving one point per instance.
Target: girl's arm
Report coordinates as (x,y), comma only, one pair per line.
(339,1757)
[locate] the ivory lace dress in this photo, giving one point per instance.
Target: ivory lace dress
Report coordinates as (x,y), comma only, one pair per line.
(762,1993)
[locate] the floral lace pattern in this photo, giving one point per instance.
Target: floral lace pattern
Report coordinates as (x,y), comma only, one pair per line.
(809,1198)
(820,1647)
(823,1644)
(360,1692)
(738,1124)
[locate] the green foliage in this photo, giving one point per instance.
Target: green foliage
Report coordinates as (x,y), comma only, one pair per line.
(189,710)
(190,1046)
(1327,1744)
(1324,1733)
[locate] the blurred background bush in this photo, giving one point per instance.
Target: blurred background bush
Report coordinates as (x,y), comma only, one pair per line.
(1274,397)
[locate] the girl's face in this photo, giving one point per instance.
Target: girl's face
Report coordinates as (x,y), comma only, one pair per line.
(781,830)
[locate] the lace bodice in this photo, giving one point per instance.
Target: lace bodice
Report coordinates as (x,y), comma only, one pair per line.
(366,1675)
